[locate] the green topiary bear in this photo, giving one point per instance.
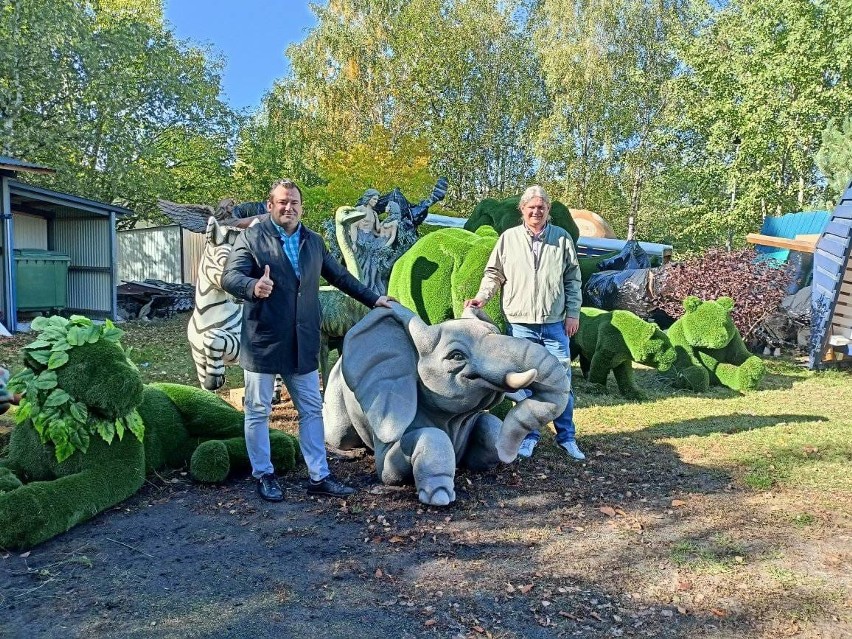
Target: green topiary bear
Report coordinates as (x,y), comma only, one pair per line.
(71,456)
(444,268)
(612,340)
(706,333)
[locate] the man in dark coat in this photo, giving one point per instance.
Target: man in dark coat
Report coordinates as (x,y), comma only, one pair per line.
(275,266)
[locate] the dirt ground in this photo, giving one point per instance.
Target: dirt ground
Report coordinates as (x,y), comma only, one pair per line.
(540,548)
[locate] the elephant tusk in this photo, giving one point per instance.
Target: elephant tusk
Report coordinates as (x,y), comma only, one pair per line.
(520,380)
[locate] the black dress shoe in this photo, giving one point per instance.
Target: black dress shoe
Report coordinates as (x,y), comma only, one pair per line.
(269,488)
(330,487)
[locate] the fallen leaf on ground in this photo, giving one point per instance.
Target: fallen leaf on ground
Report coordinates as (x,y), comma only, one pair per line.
(430,622)
(526,588)
(609,511)
(396,539)
(719,612)
(678,502)
(379,573)
(510,588)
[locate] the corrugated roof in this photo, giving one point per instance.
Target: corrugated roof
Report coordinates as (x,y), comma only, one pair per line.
(14,164)
(56,201)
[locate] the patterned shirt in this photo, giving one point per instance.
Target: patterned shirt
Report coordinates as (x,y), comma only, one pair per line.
(291,246)
(536,240)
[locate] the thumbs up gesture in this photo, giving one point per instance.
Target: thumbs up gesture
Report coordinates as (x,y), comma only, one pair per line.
(263,286)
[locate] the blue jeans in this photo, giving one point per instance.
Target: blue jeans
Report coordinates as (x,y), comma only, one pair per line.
(305,392)
(552,336)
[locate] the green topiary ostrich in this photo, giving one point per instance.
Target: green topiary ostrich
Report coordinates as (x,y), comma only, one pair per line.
(612,340)
(71,456)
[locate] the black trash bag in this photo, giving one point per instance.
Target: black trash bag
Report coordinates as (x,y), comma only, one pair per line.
(631,290)
(632,256)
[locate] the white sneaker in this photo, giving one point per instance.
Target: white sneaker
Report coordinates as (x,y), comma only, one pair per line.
(573,450)
(527,448)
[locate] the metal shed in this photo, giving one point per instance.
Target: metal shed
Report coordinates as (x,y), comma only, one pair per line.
(831,301)
(79,228)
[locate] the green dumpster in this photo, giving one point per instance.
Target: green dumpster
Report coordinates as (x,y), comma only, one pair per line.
(41,279)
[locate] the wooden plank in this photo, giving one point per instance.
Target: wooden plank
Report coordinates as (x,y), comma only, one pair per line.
(830,263)
(839,228)
(781,242)
(830,244)
(812,238)
(840,321)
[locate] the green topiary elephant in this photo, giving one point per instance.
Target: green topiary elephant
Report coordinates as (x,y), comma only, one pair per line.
(707,335)
(612,340)
(444,268)
(71,456)
(504,214)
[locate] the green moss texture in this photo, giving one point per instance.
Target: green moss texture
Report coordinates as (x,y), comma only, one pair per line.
(41,497)
(612,340)
(707,335)
(443,269)
(504,214)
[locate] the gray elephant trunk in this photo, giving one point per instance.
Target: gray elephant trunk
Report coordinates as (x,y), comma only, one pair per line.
(550,389)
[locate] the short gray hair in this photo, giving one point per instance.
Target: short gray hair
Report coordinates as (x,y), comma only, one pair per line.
(287,184)
(534,191)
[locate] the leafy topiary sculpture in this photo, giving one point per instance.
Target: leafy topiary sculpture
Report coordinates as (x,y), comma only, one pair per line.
(444,268)
(504,214)
(612,340)
(707,335)
(71,456)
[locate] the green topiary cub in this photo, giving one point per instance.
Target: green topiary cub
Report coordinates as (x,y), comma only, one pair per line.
(88,431)
(706,333)
(612,340)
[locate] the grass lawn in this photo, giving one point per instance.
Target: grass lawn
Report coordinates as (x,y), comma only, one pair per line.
(732,507)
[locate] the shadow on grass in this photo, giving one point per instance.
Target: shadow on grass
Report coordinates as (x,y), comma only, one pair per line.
(656,386)
(728,424)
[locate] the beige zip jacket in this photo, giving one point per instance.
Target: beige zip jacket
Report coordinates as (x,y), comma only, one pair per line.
(541,293)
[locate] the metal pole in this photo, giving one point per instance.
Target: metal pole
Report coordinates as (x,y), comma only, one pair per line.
(10,307)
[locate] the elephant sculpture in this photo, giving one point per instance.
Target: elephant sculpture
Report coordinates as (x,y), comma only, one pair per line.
(418,396)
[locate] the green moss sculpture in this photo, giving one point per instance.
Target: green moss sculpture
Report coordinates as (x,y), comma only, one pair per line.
(707,335)
(443,269)
(504,214)
(612,340)
(88,431)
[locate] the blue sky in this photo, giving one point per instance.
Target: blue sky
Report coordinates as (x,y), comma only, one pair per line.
(251,35)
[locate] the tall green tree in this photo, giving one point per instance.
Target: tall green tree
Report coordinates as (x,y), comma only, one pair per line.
(606,64)
(114,102)
(459,74)
(835,157)
(757,83)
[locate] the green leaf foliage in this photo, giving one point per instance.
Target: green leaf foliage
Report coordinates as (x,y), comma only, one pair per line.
(56,416)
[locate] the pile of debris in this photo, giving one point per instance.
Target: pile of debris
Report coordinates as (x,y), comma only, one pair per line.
(151,299)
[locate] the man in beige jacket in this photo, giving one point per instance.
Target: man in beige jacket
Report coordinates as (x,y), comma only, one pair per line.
(536,267)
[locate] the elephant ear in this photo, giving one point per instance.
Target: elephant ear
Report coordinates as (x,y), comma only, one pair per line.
(479,314)
(379,365)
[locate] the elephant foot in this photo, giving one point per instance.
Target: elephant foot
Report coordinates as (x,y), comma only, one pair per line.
(436,491)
